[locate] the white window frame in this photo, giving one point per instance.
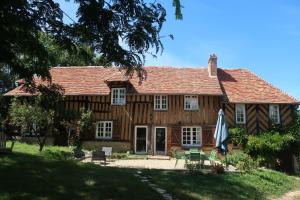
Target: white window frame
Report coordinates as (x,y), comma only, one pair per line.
(158,105)
(119,100)
(243,107)
(191,136)
(104,129)
(190,98)
(272,106)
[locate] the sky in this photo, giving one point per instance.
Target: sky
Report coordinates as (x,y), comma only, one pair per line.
(263,36)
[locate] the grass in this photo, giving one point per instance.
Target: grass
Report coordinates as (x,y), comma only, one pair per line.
(259,184)
(51,174)
(28,174)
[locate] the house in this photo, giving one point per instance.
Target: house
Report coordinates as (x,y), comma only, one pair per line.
(172,107)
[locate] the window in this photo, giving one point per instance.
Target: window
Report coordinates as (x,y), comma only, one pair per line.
(240,114)
(160,102)
(104,130)
(191,136)
(190,102)
(118,96)
(274,114)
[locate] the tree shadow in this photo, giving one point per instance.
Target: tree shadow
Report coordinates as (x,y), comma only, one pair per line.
(24,176)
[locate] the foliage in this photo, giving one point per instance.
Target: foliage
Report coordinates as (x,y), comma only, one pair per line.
(119,155)
(266,146)
(242,161)
(34,117)
(238,136)
(77,124)
(121,32)
(193,167)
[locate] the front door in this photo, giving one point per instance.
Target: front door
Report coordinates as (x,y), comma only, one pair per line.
(160,140)
(141,134)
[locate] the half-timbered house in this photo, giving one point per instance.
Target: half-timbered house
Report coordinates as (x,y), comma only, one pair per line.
(172,107)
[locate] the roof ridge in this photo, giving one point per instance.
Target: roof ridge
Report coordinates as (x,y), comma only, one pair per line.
(271,85)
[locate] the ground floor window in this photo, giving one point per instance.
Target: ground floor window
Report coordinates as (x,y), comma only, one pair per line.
(191,136)
(104,129)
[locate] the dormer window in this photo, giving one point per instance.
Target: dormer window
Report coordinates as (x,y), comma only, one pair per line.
(118,96)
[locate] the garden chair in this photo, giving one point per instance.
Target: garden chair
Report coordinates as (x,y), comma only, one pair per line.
(194,150)
(3,148)
(99,155)
(178,155)
(108,151)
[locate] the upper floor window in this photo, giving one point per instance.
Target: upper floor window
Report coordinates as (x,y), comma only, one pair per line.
(118,96)
(274,114)
(191,136)
(240,114)
(190,102)
(104,129)
(160,102)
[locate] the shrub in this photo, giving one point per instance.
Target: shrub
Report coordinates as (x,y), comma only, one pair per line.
(119,155)
(233,159)
(242,161)
(193,168)
(267,146)
(238,136)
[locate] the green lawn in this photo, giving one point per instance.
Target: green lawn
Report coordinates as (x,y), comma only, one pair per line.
(28,174)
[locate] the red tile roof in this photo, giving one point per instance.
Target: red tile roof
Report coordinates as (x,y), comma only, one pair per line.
(238,85)
(160,80)
(242,86)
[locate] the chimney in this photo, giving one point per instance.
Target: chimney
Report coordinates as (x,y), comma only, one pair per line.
(212,65)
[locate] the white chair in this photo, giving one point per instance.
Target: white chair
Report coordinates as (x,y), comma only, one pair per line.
(108,151)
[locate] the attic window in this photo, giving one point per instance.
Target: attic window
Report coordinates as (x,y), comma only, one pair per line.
(274,114)
(118,96)
(240,114)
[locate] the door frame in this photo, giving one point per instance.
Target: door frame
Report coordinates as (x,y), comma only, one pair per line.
(135,132)
(166,140)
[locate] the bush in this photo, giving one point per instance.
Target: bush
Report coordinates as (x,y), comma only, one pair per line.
(119,155)
(267,146)
(238,136)
(193,168)
(233,159)
(242,161)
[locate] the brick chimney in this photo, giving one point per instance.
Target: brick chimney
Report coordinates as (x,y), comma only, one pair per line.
(212,65)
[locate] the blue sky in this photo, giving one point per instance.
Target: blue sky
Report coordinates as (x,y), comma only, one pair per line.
(263,36)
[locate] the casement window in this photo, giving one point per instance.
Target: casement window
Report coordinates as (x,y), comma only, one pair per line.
(160,102)
(118,96)
(104,129)
(190,102)
(240,114)
(274,114)
(191,136)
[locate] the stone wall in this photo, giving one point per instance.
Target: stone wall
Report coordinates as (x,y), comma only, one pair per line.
(116,146)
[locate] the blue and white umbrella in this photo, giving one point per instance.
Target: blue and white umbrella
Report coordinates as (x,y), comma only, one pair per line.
(221,133)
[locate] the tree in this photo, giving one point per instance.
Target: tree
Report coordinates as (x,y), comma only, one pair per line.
(122,32)
(32,116)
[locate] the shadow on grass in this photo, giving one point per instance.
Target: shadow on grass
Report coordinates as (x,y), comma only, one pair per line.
(53,176)
(210,186)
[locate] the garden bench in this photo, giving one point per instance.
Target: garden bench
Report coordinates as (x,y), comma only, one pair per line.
(99,155)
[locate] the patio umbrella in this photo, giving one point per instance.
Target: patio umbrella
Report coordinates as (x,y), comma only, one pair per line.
(221,133)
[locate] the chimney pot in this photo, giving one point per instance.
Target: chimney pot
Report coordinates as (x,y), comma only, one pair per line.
(212,65)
